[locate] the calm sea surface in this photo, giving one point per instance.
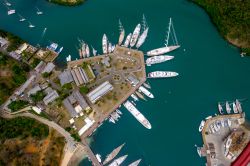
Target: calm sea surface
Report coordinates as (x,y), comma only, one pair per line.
(210,70)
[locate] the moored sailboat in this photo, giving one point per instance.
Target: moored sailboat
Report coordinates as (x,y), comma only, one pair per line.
(112,155)
(126,44)
(135,35)
(122,33)
(105,44)
(135,163)
(167,48)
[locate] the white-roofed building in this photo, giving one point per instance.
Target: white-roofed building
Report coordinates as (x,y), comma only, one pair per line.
(88,124)
(21,48)
(36,109)
(99,91)
(3,42)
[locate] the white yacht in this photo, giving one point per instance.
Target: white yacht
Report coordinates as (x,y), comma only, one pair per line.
(135,163)
(31,25)
(10,12)
(87,50)
(68,58)
(118,111)
(201,125)
(98,156)
(60,50)
(238,105)
(21,18)
(158,59)
(126,44)
(147,85)
(113,154)
(228,108)
(163,50)
(220,108)
(146,92)
(105,44)
(162,74)
(38,12)
(133,110)
(122,33)
(235,108)
(111,120)
(7,3)
(167,48)
(134,97)
(142,38)
(94,51)
(118,161)
(135,35)
(109,48)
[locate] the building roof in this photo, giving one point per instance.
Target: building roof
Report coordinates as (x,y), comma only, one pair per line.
(79,75)
(48,68)
(34,90)
(133,80)
(21,48)
(50,97)
(3,42)
(14,55)
(244,158)
(75,103)
(40,66)
(88,124)
(65,77)
(105,61)
(99,91)
(25,85)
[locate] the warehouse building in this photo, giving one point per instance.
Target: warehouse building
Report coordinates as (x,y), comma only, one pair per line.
(75,104)
(100,91)
(65,77)
(50,97)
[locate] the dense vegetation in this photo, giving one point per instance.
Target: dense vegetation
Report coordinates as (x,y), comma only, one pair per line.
(24,141)
(15,41)
(84,89)
(12,75)
(38,96)
(22,128)
(67,2)
(17,105)
(232,19)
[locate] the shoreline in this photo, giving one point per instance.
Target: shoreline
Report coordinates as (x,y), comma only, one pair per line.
(63,3)
(244,50)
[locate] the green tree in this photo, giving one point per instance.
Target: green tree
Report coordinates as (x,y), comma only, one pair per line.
(84,89)
(38,96)
(17,105)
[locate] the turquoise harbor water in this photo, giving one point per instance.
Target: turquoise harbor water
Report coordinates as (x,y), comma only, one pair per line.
(210,70)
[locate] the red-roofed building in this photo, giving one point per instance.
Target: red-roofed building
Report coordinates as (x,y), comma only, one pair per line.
(244,158)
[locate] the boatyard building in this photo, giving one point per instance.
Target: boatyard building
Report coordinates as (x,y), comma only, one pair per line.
(76,104)
(100,91)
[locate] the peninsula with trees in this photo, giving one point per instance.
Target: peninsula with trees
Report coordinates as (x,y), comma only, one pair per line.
(67,2)
(232,19)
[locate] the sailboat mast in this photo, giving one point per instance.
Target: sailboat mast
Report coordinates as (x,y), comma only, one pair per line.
(175,38)
(144,22)
(170,21)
